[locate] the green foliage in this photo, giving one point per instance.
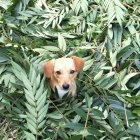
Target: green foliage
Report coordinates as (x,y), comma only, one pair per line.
(105,34)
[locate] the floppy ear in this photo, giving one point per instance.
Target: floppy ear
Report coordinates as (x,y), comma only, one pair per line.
(78,62)
(49,68)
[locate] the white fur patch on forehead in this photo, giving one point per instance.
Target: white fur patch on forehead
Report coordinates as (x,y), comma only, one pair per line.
(64,63)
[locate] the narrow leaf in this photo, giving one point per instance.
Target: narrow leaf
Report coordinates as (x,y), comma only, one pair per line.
(74,126)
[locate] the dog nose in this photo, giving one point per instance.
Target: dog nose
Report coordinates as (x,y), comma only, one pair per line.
(65,86)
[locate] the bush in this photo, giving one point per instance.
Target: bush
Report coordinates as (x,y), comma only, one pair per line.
(104,33)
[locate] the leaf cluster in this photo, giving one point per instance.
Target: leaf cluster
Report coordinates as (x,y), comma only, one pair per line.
(106,34)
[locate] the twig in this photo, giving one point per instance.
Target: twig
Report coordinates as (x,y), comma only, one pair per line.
(126,118)
(86,121)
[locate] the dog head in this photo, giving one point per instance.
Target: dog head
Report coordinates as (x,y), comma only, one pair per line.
(63,71)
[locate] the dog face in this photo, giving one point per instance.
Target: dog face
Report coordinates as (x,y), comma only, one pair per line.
(63,72)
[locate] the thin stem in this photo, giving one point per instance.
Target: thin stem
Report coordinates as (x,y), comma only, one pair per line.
(58,109)
(86,121)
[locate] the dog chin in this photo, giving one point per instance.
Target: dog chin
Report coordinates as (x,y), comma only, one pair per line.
(61,92)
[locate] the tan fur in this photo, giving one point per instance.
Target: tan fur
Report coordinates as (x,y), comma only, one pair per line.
(48,68)
(59,72)
(79,63)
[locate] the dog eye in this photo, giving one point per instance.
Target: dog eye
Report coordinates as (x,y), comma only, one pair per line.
(58,72)
(72,71)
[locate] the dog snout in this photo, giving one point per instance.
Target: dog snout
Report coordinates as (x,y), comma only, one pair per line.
(65,86)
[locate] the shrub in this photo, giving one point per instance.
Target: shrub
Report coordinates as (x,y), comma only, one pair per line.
(104,33)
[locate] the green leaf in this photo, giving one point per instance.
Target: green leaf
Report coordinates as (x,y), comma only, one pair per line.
(41,118)
(29,94)
(80,112)
(51,48)
(32,75)
(127,77)
(43,110)
(5,137)
(127,53)
(32,20)
(3,58)
(110,33)
(97,113)
(39,91)
(31,117)
(26,82)
(61,43)
(31,128)
(137,61)
(137,85)
(84,6)
(31,122)
(30,135)
(104,80)
(111,83)
(41,101)
(88,64)
(78,137)
(132,29)
(17,68)
(74,126)
(134,130)
(106,34)
(118,3)
(113,58)
(31,110)
(55,115)
(94,131)
(89,100)
(126,42)
(2,69)
(37,81)
(138,38)
(119,15)
(30,100)
(98,75)
(111,12)
(41,124)
(42,113)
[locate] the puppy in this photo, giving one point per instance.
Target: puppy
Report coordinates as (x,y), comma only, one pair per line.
(62,74)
